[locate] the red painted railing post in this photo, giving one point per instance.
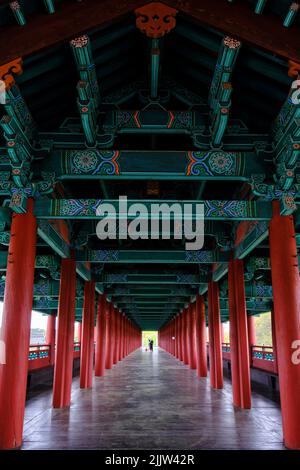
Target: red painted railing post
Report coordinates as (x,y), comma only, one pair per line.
(63,367)
(286,294)
(215,344)
(239,346)
(87,344)
(15,331)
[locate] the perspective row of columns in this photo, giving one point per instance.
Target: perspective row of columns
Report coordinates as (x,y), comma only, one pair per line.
(185,335)
(116,335)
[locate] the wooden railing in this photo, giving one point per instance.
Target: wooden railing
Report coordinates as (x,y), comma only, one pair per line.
(76,353)
(226,350)
(262,357)
(39,356)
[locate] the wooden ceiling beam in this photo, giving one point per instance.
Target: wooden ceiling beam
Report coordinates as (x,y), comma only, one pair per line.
(75,18)
(239,21)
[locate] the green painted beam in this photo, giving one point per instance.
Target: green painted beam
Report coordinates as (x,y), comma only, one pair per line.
(53,238)
(81,209)
(161,279)
(151,256)
(144,164)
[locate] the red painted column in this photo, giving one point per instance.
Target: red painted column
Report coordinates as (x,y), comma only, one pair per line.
(115,336)
(222,333)
(188,335)
(63,368)
(185,338)
(193,363)
(15,330)
(176,336)
(180,337)
(101,336)
(274,342)
(87,345)
(215,345)
(201,350)
(109,337)
(239,346)
(119,335)
(124,335)
(286,294)
(80,332)
(251,334)
(50,336)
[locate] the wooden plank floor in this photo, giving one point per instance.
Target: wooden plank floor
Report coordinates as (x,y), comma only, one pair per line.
(151,401)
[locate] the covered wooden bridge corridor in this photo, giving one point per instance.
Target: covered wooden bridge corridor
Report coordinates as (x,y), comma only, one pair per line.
(151,401)
(175,103)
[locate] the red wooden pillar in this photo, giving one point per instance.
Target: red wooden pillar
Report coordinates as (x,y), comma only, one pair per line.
(188,335)
(222,333)
(80,332)
(63,368)
(251,334)
(87,345)
(214,327)
(239,346)
(121,337)
(176,336)
(115,335)
(101,336)
(15,331)
(185,336)
(109,337)
(50,336)
(274,342)
(193,363)
(124,335)
(172,344)
(180,337)
(286,294)
(201,350)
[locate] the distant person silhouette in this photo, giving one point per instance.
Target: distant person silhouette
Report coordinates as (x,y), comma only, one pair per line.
(151,342)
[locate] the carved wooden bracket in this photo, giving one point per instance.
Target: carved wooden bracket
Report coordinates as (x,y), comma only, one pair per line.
(155,19)
(294,69)
(7,72)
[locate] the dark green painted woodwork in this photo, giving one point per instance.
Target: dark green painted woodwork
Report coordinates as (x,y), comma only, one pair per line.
(132,140)
(92,163)
(212,209)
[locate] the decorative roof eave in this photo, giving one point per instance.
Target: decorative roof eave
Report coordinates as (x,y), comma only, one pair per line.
(43,31)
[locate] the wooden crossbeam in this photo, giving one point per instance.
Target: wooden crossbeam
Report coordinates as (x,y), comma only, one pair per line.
(151,256)
(213,209)
(164,279)
(199,165)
